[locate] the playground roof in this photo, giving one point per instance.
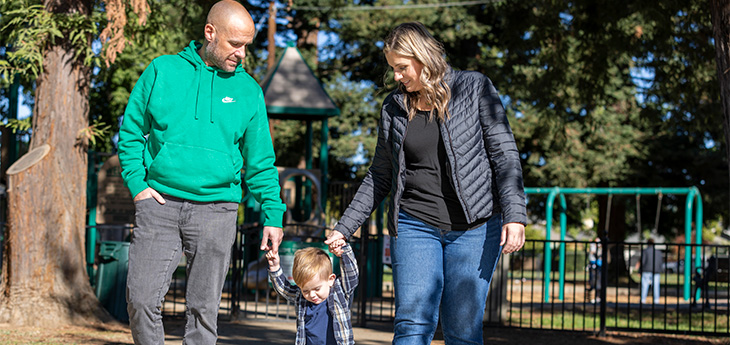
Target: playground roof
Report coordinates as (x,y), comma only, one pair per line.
(291,91)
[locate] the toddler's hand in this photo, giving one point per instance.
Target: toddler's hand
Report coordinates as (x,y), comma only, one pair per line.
(336,247)
(273,259)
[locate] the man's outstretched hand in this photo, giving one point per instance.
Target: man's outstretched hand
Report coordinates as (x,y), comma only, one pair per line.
(272,239)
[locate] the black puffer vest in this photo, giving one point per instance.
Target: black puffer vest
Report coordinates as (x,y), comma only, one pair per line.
(484,163)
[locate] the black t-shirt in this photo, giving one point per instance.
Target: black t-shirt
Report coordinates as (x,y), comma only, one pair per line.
(429,194)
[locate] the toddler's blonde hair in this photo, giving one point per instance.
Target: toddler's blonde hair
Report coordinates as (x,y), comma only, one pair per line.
(311,262)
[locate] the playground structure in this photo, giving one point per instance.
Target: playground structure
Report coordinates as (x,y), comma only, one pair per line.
(293,92)
(692,193)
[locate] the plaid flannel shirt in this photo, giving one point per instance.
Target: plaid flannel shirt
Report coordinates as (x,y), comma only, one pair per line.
(338,302)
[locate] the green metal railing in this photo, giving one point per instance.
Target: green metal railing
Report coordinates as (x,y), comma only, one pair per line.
(693,194)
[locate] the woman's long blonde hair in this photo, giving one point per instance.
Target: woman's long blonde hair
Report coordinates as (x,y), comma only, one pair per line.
(412,40)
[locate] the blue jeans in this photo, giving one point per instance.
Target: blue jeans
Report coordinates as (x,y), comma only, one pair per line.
(435,268)
(650,278)
(204,232)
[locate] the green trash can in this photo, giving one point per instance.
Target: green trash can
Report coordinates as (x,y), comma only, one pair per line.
(111,278)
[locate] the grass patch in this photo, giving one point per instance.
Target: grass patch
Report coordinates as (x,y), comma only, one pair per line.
(387,273)
(636,319)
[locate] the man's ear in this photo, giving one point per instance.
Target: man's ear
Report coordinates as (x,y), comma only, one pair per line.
(209,32)
(331,280)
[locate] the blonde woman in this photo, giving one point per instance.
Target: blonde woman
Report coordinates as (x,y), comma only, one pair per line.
(447,156)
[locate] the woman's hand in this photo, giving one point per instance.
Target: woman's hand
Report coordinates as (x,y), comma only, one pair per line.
(513,237)
(336,247)
(333,237)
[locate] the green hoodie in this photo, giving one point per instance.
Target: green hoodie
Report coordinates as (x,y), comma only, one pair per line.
(189,129)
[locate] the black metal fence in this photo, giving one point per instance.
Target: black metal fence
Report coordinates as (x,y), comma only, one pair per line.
(251,295)
(576,294)
(570,291)
(690,302)
(524,296)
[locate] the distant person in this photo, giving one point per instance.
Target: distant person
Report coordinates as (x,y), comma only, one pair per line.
(700,284)
(192,121)
(595,261)
(322,300)
(652,264)
(702,281)
(447,157)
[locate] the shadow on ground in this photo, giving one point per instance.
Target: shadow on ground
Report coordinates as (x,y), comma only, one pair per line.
(240,332)
(284,332)
(259,331)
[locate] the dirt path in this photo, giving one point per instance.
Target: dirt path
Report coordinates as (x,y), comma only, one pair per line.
(282,332)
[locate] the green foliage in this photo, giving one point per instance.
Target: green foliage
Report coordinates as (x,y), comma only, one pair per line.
(712,229)
(19,125)
(533,232)
(96,131)
(27,56)
(29,29)
(353,134)
(598,93)
(575,115)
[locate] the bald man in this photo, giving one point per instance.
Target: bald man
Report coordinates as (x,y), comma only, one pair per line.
(192,121)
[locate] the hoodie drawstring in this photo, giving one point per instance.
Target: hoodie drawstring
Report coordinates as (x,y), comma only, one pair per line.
(212,83)
(197,95)
(198,105)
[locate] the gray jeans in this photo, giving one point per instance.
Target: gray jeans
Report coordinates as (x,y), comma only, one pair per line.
(205,233)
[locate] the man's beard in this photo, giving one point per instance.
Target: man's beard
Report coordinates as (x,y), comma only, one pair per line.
(216,58)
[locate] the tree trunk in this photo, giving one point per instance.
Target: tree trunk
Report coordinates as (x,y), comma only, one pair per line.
(44,280)
(720,10)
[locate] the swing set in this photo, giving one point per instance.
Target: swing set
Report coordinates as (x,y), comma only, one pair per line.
(693,194)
